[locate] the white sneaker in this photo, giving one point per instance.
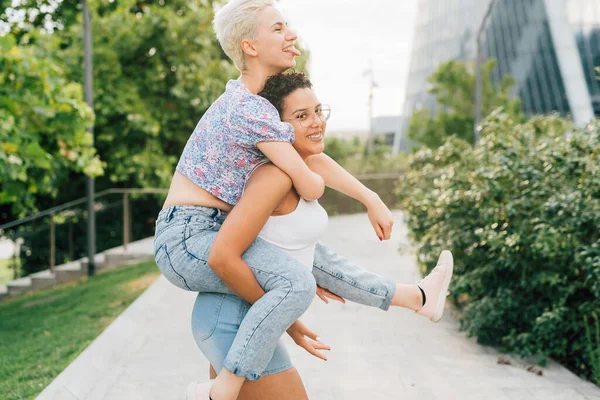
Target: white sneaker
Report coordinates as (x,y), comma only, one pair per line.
(435,285)
(198,390)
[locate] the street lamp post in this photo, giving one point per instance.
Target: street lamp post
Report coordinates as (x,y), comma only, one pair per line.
(87,85)
(478,79)
(372,85)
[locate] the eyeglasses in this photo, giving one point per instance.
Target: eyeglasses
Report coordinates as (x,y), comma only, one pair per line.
(307,118)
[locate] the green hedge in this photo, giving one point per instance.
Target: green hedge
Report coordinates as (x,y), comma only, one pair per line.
(521,213)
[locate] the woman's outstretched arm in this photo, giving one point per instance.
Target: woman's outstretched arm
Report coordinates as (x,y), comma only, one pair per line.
(337,178)
(265,189)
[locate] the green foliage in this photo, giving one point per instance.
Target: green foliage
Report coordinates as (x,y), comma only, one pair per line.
(520,211)
(303,62)
(157,69)
(42,333)
(7,270)
(45,15)
(453,86)
(342,149)
(352,155)
(43,122)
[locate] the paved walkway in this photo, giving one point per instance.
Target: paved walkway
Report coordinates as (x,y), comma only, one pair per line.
(148,351)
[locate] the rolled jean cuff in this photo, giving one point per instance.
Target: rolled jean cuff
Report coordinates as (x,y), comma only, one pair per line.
(356,284)
(277,370)
(391,290)
(236,370)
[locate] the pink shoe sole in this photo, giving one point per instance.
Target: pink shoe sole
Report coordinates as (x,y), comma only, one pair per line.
(190,393)
(439,311)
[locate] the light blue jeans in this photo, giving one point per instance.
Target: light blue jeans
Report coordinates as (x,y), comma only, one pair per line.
(182,243)
(216,320)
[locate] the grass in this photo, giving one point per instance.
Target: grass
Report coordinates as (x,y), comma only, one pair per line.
(41,333)
(593,343)
(6,272)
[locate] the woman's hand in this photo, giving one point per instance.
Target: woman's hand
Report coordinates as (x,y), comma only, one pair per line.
(307,339)
(380,217)
(324,293)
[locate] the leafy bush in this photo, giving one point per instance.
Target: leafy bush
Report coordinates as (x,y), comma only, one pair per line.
(520,211)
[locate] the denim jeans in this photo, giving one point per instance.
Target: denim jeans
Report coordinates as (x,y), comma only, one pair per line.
(216,320)
(182,242)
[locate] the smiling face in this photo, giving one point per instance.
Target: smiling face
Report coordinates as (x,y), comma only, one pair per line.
(299,108)
(274,46)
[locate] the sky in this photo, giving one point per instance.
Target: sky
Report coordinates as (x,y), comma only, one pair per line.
(343,36)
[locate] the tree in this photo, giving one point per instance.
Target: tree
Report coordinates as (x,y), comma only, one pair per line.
(157,69)
(43,122)
(453,86)
(28,16)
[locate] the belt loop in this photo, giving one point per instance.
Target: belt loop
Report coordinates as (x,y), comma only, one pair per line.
(170,213)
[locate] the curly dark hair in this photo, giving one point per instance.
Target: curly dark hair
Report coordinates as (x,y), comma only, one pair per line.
(279,86)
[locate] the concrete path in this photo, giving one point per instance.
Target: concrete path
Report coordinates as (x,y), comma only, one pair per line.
(148,352)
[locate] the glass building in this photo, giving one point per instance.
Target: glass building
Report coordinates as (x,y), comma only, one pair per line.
(550,47)
(584,19)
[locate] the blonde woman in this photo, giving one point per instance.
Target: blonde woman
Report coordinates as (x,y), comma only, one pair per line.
(239,132)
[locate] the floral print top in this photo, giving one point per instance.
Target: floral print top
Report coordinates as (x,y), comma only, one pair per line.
(222,152)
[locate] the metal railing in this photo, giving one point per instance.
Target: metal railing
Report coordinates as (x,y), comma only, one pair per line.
(333,202)
(52,212)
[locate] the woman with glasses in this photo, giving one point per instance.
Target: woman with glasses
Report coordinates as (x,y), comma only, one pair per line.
(239,132)
(271,209)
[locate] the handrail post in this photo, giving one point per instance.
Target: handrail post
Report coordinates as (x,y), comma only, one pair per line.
(71,246)
(15,255)
(126,222)
(52,243)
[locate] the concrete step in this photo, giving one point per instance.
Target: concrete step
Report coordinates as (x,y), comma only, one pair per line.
(84,266)
(43,279)
(99,259)
(114,259)
(70,271)
(19,286)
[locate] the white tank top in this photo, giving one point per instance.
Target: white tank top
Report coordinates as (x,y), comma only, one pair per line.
(297,233)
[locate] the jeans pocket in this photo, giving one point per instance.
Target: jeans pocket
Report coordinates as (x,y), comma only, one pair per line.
(198,239)
(205,315)
(163,260)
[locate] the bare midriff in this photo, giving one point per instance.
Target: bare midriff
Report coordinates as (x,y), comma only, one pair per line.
(184,192)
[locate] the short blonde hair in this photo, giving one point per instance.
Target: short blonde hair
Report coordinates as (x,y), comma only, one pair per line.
(235,22)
